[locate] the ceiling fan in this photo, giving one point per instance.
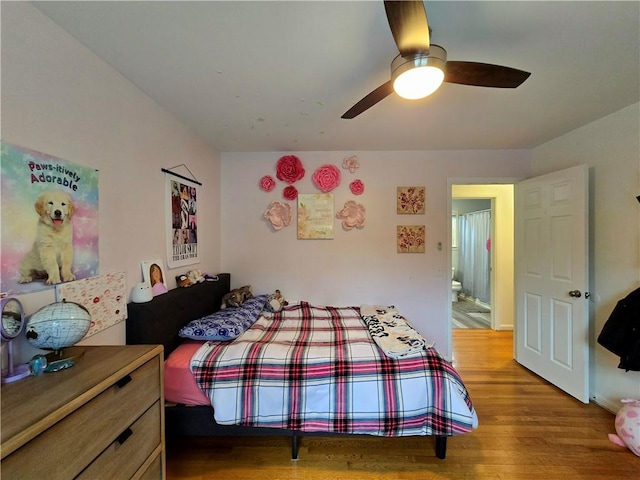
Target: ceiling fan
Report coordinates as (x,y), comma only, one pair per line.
(421,66)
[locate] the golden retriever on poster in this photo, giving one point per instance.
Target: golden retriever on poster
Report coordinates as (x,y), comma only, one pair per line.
(51,256)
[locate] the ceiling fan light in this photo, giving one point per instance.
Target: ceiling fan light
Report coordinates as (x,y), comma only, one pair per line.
(417,76)
(418,82)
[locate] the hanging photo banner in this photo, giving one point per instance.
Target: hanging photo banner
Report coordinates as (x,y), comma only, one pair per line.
(182,221)
(49,220)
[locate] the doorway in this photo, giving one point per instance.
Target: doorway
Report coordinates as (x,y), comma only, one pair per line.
(471,262)
(562,326)
(501,198)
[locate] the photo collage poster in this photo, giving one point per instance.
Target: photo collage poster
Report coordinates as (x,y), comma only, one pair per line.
(182,231)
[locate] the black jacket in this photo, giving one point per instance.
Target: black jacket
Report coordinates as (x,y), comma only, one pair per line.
(621,332)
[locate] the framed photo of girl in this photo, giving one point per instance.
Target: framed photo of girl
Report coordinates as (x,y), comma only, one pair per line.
(153,274)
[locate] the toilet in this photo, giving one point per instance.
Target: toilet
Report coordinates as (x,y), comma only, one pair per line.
(455,286)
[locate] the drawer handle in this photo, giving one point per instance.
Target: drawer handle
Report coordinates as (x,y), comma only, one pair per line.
(123,381)
(124,435)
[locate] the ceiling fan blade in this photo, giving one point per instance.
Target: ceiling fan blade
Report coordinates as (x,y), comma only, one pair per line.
(370,100)
(484,75)
(409,25)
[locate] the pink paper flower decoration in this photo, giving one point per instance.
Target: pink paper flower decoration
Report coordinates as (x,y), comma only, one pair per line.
(357,187)
(351,163)
(352,215)
(278,214)
(326,177)
(289,169)
(290,192)
(267,183)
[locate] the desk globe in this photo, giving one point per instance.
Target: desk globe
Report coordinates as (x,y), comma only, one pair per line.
(57,326)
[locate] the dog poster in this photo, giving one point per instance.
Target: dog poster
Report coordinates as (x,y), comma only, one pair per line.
(48,222)
(182,220)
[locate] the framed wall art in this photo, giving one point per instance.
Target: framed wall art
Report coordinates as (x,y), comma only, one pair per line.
(153,273)
(315,216)
(410,200)
(410,238)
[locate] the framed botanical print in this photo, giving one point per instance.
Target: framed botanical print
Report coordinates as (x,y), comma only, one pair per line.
(410,200)
(410,238)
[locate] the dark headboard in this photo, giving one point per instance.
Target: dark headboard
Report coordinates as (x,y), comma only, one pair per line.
(160,320)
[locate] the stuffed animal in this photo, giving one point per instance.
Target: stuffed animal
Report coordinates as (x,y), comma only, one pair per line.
(280,298)
(195,276)
(236,297)
(275,302)
(628,426)
(246,292)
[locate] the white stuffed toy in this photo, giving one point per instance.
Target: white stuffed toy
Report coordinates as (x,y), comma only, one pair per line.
(195,276)
(628,426)
(275,302)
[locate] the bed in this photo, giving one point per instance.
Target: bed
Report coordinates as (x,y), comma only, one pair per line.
(306,370)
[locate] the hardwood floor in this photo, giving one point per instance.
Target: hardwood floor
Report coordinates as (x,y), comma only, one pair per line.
(528,430)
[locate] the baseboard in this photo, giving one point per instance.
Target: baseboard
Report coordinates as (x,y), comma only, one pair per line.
(504,328)
(610,405)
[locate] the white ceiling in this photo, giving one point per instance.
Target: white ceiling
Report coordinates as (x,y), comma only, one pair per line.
(277,76)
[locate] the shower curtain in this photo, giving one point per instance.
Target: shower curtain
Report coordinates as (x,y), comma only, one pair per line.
(474,259)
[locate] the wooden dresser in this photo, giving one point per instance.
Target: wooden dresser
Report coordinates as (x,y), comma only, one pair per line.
(102,418)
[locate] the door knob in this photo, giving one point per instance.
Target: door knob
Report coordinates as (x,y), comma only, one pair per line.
(575,293)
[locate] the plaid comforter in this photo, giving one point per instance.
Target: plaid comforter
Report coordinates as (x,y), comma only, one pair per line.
(316,369)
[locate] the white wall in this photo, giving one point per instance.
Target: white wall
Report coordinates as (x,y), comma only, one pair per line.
(357,266)
(60,99)
(611,149)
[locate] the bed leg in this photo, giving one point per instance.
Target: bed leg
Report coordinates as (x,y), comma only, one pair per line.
(294,447)
(441,447)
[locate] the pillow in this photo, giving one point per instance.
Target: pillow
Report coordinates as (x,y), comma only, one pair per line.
(225,324)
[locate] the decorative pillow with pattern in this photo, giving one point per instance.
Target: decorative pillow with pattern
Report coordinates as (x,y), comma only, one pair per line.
(226,324)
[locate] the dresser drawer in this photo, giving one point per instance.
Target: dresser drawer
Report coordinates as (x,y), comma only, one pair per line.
(154,472)
(129,451)
(84,434)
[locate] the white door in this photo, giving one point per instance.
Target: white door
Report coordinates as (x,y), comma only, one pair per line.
(551,257)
